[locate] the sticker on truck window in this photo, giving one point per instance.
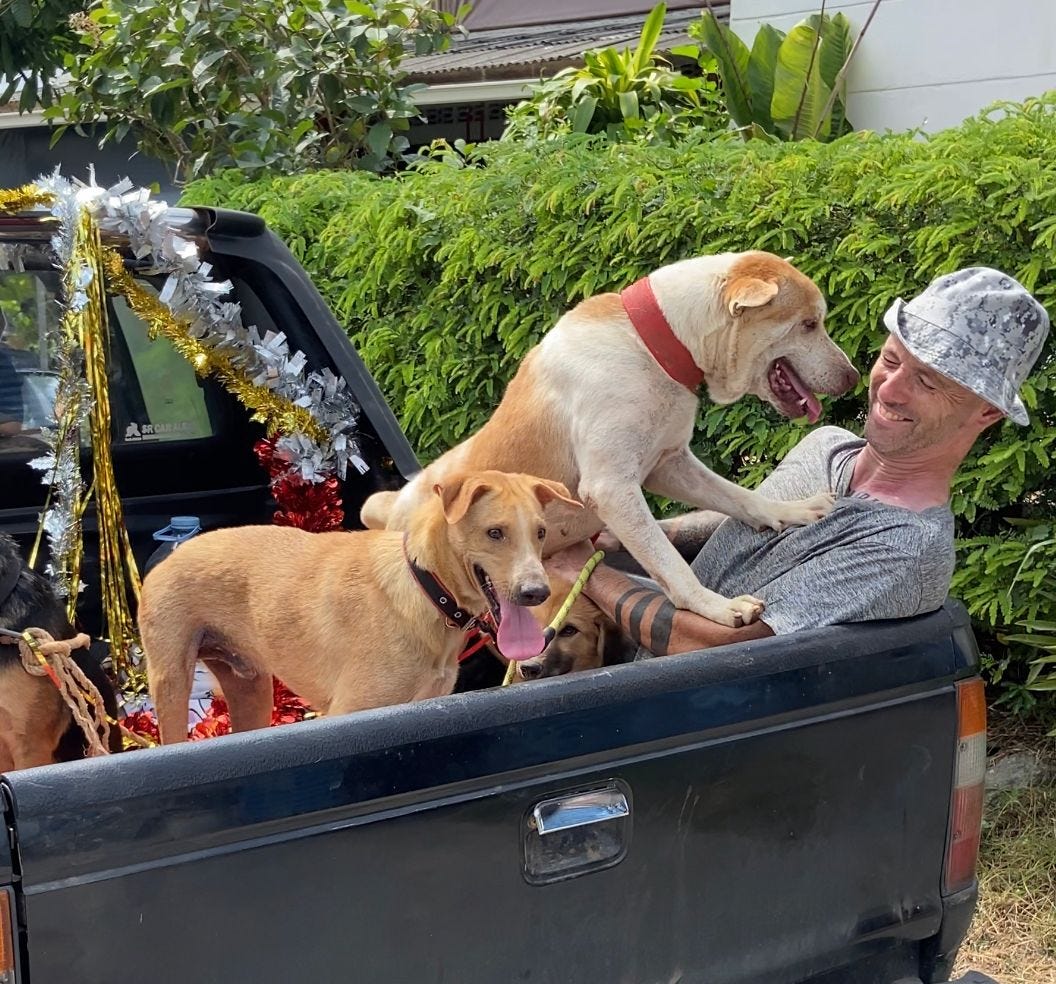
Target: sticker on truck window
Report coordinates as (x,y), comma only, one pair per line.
(142,432)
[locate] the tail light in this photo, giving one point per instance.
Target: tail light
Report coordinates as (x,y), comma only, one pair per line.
(7,938)
(966,808)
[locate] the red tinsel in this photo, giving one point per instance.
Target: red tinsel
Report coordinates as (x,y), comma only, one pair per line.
(287,709)
(312,506)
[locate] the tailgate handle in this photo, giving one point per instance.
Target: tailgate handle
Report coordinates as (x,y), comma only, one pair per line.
(580,810)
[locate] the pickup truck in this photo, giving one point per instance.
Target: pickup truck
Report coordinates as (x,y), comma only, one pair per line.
(804,808)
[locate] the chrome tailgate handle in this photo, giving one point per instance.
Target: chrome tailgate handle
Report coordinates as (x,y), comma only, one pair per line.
(580,810)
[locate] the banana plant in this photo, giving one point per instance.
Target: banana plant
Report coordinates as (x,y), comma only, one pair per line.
(787,86)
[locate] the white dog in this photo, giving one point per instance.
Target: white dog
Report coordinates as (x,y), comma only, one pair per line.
(607,401)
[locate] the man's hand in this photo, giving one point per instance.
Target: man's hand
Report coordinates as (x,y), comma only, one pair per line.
(568,563)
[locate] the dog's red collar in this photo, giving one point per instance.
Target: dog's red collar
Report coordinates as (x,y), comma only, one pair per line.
(641,306)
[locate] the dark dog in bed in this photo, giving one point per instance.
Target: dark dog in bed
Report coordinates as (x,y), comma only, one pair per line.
(36,727)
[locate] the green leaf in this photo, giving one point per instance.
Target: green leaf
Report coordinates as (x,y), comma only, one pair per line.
(762,64)
(732,55)
(204,64)
(28,100)
(799,92)
(651,29)
(685,51)
(629,105)
(583,114)
(378,137)
(22,12)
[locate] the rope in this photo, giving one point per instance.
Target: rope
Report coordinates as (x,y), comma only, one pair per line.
(44,656)
(562,613)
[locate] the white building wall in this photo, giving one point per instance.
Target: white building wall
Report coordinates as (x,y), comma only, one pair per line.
(929,63)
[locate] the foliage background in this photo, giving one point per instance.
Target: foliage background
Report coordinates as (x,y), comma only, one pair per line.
(447,274)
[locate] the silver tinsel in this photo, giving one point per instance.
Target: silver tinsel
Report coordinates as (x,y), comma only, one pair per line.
(61,469)
(190,292)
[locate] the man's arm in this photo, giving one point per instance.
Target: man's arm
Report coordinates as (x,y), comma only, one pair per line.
(690,531)
(647,616)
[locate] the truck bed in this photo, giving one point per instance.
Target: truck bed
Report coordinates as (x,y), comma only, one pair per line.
(787,805)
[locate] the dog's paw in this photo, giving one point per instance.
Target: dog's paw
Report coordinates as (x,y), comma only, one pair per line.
(745,609)
(731,612)
(799,512)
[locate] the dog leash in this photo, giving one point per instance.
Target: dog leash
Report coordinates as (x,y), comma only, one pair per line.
(562,613)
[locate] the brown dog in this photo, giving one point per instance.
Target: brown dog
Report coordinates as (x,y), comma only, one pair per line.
(36,727)
(343,618)
(587,640)
(606,404)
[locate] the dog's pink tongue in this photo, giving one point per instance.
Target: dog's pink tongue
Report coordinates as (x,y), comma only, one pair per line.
(519,635)
(812,404)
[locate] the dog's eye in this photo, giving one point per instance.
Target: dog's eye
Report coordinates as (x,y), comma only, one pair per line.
(542,533)
(568,630)
(810,324)
(495,533)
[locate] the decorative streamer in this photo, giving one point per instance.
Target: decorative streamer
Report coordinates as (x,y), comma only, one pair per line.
(118,571)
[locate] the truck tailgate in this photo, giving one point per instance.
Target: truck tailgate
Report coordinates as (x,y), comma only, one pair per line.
(786,813)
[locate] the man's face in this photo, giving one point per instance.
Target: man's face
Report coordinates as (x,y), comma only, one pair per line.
(912,407)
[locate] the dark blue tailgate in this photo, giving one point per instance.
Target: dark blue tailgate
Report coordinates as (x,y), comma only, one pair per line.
(788,809)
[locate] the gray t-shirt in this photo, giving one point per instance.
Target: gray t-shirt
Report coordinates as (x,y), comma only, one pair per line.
(865,560)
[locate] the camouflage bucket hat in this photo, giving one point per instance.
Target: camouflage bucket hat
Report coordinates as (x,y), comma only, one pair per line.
(980,328)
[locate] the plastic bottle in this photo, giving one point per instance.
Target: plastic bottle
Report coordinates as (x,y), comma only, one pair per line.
(179,530)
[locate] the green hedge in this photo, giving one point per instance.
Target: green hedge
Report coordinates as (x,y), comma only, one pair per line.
(447,275)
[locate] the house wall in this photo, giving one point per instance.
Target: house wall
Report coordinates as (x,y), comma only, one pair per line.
(929,63)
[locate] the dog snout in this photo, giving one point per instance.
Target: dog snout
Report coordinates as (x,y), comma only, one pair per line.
(532,593)
(530,670)
(851,376)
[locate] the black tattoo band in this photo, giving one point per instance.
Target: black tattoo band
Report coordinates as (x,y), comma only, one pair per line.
(617,610)
(634,620)
(660,629)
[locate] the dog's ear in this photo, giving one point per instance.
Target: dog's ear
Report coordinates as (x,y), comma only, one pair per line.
(748,292)
(458,494)
(614,646)
(547,492)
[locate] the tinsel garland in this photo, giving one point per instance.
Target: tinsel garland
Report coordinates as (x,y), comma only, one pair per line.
(61,467)
(310,418)
(119,574)
(22,199)
(277,413)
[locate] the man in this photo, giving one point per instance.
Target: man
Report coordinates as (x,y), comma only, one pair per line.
(950,368)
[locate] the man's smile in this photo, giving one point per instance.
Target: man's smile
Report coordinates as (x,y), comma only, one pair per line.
(887,414)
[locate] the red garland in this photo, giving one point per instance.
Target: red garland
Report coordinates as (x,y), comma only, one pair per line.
(312,506)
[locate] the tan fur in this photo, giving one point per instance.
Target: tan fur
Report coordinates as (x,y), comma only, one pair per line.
(337,617)
(32,719)
(591,408)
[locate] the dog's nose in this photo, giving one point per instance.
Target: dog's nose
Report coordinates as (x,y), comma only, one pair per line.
(532,594)
(850,379)
(529,670)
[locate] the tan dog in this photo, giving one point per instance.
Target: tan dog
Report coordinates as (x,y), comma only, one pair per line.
(606,404)
(586,641)
(342,618)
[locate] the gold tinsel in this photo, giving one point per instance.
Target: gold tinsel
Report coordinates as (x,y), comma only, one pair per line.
(118,571)
(23,199)
(268,407)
